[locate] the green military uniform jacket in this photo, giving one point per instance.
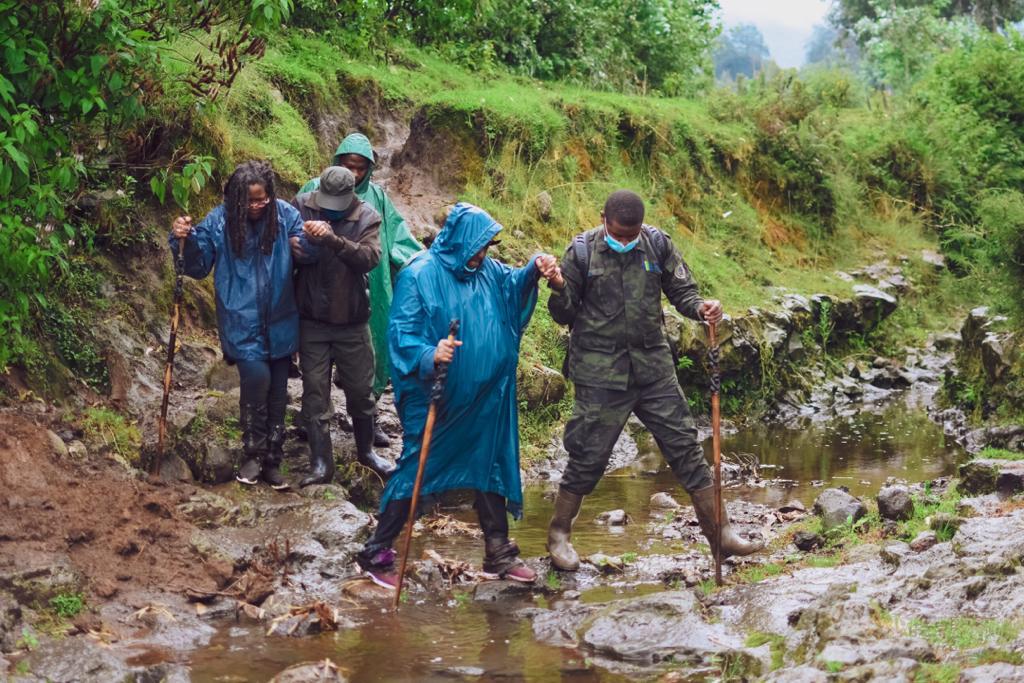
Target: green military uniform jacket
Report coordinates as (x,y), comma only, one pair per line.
(618,333)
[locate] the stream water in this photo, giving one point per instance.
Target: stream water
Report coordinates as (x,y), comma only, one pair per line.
(448,637)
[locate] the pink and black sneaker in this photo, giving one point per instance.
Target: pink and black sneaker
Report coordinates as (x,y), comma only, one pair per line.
(380,568)
(501,561)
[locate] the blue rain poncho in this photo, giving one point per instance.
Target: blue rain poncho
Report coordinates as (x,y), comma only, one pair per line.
(475,443)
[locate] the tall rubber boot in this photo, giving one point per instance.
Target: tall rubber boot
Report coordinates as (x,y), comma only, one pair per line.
(380,439)
(362,429)
(272,462)
(567,508)
(321,456)
(732,543)
(252,418)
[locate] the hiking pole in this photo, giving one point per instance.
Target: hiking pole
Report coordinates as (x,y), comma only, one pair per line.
(716,444)
(428,431)
(179,294)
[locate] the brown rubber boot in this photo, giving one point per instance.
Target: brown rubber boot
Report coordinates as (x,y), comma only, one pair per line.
(732,544)
(563,555)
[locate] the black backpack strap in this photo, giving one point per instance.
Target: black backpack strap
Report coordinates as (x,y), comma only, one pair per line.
(659,243)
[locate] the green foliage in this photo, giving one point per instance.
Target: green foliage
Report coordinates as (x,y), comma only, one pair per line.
(834,667)
(964,633)
(77,80)
(776,643)
(107,429)
(1000,454)
(28,640)
(553,580)
(67,605)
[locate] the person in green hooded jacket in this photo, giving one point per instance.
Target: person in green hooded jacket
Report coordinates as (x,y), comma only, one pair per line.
(397,246)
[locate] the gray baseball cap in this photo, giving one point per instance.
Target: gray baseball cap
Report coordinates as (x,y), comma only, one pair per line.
(337,188)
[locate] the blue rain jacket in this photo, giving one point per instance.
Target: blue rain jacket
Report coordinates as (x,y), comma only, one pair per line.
(257,318)
(475,443)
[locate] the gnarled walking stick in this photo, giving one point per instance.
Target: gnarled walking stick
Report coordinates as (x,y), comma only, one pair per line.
(716,444)
(428,430)
(172,343)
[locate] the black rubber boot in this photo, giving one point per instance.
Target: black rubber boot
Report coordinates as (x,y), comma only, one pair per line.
(321,457)
(380,439)
(362,428)
(253,420)
(567,508)
(272,462)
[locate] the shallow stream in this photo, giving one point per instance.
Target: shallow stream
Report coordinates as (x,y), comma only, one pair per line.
(452,637)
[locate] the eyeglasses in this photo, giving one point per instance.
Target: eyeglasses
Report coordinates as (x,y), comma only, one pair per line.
(258,203)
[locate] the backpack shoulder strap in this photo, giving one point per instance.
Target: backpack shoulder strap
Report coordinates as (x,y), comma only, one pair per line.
(659,243)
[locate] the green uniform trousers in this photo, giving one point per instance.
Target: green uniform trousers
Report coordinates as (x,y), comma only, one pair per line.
(599,417)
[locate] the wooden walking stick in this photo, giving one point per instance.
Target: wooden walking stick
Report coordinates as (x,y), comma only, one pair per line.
(172,342)
(716,444)
(428,430)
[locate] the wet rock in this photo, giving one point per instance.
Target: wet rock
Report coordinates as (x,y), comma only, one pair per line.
(807,541)
(76,659)
(613,518)
(341,524)
(327,492)
(863,553)
(559,627)
(943,521)
(324,671)
(923,541)
(900,670)
(607,564)
(464,672)
(653,628)
(77,450)
(934,259)
(496,591)
(852,653)
(10,623)
(60,449)
(222,377)
(539,386)
(664,501)
(174,468)
(38,582)
(990,476)
(544,206)
(224,406)
(1010,437)
(895,553)
(216,463)
(996,355)
(873,305)
(894,502)
(798,674)
(836,507)
(993,673)
(207,510)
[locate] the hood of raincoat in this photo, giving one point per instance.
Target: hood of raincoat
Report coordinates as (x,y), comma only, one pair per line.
(357,143)
(466,231)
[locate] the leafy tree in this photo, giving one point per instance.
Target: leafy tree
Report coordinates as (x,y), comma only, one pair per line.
(75,80)
(740,50)
(991,14)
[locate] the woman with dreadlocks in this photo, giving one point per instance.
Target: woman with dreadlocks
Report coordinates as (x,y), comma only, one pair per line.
(248,242)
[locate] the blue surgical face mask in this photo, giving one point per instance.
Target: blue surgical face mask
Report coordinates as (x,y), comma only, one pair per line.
(333,214)
(618,246)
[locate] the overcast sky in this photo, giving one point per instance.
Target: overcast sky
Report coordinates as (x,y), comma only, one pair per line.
(785,24)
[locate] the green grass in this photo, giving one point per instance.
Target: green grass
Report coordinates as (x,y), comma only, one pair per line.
(964,633)
(112,431)
(1000,454)
(937,673)
(552,580)
(776,643)
(67,605)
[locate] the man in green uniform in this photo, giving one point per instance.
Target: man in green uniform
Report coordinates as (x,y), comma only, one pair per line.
(609,293)
(397,246)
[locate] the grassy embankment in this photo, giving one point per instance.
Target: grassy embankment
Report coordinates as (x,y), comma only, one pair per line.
(774,187)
